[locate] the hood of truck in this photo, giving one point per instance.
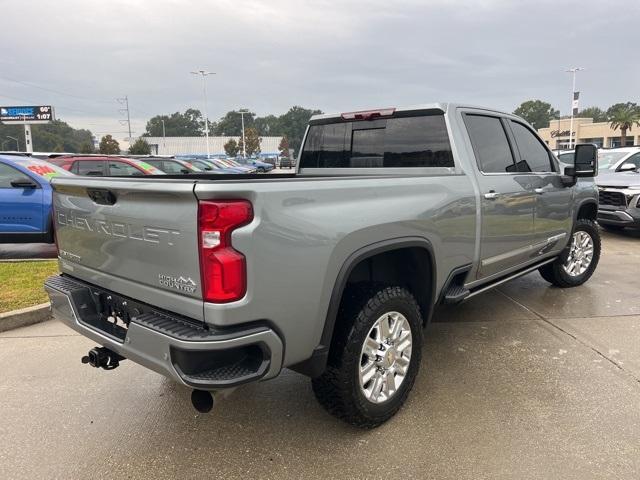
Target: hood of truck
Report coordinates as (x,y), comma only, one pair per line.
(136,238)
(618,179)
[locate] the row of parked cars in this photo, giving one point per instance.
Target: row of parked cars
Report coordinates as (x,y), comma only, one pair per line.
(25,190)
(618,184)
(131,166)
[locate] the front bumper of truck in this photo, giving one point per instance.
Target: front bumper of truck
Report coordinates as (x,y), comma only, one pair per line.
(193,354)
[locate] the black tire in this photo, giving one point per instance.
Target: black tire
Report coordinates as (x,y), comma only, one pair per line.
(612,228)
(556,274)
(338,388)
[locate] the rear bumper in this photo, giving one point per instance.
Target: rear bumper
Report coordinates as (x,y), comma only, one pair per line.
(173,346)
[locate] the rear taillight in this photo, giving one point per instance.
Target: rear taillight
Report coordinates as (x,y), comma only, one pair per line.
(223,270)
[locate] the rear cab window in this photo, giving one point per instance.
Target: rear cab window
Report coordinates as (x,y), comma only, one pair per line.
(404,140)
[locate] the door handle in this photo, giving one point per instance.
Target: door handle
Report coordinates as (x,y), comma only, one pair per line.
(491,195)
(539,191)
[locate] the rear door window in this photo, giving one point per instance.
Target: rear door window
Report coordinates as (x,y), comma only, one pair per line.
(490,144)
(89,167)
(534,157)
(410,141)
(172,167)
(122,169)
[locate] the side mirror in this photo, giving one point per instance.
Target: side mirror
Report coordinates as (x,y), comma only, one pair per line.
(586,160)
(185,171)
(627,167)
(23,183)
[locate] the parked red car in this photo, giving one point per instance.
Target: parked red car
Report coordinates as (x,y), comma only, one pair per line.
(105,166)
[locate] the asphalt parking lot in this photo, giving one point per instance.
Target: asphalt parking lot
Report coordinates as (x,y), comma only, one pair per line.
(527,381)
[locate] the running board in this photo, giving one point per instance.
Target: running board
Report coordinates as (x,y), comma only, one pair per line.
(500,281)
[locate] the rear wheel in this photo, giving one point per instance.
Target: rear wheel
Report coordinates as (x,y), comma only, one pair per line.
(374,358)
(579,260)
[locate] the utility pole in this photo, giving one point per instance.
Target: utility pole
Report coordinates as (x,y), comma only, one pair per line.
(574,102)
(242,112)
(125,101)
(204,74)
(164,142)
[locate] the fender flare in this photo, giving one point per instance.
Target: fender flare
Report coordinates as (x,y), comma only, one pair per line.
(316,364)
(582,203)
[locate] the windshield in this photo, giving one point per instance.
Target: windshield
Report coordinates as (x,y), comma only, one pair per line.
(44,169)
(609,159)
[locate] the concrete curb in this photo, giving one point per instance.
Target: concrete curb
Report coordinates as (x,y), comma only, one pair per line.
(17,260)
(25,316)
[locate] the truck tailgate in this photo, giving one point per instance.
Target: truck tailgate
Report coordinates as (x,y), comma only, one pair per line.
(137,238)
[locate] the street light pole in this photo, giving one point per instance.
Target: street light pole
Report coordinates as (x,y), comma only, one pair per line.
(573,71)
(204,74)
(242,111)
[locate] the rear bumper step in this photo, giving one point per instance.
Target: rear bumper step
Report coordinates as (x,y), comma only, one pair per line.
(186,351)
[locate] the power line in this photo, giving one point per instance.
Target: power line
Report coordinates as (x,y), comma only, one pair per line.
(32,85)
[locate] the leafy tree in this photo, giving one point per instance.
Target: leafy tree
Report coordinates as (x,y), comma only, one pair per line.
(109,145)
(291,124)
(187,124)
(140,147)
(253,141)
(56,136)
(623,116)
(231,123)
(284,147)
(87,148)
(596,113)
(537,113)
(294,123)
(268,126)
(231,148)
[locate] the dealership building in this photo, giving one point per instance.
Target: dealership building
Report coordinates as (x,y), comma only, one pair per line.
(198,145)
(586,131)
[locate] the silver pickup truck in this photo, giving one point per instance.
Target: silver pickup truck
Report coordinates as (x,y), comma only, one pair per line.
(332,271)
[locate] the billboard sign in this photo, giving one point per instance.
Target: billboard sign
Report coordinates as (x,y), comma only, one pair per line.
(21,115)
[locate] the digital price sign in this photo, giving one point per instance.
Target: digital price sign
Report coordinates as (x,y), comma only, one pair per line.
(38,114)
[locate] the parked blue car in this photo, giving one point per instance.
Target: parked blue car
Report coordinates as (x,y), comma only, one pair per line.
(25,199)
(254,162)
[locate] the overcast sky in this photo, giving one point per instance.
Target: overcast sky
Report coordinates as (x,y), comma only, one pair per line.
(332,55)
